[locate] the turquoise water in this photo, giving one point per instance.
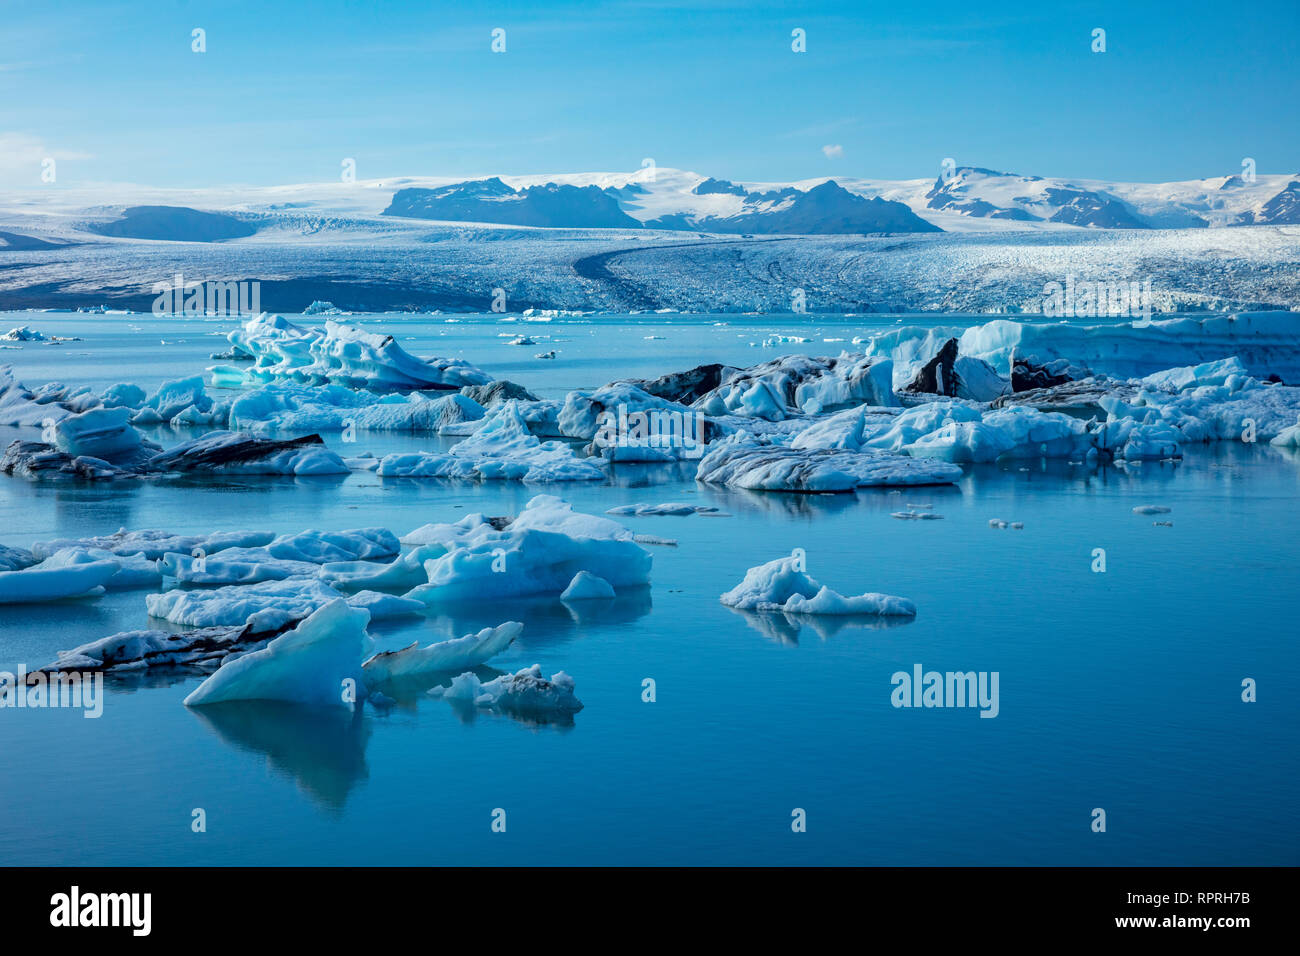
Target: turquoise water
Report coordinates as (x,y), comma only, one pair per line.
(1118,690)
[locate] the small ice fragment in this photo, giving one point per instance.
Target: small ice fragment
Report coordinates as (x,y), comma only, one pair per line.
(586,586)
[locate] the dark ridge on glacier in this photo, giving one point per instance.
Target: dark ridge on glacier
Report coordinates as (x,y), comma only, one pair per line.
(173,224)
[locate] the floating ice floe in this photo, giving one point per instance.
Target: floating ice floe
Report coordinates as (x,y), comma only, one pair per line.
(236,453)
(406,571)
(342,355)
(105,434)
(1287,438)
(312,664)
(203,649)
(795,384)
(265,606)
(183,402)
(444,657)
(782,585)
(133,570)
(679,508)
(23,334)
(523,692)
(153,544)
(539,552)
(1151,510)
(288,408)
(41,406)
(742,462)
(501,448)
(38,584)
(288,556)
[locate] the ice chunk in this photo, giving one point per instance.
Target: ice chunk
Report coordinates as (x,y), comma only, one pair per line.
(154,544)
(104,433)
(783,585)
(134,570)
(770,467)
(15,559)
(455,655)
(288,408)
(406,571)
(342,355)
(224,452)
(1287,437)
(265,606)
(667,508)
(501,448)
(538,553)
(586,586)
(315,663)
(523,692)
(1193,376)
(173,398)
(37,584)
(204,649)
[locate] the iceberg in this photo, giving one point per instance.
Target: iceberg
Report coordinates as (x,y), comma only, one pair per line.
(793,384)
(586,586)
(342,355)
(15,559)
(153,544)
(202,649)
(183,402)
(770,467)
(37,584)
(523,692)
(414,661)
(501,448)
(43,406)
(288,408)
(312,664)
(539,552)
(667,508)
(133,570)
(783,585)
(102,433)
(227,453)
(264,606)
(405,572)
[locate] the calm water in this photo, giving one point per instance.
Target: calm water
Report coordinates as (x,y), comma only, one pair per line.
(1118,690)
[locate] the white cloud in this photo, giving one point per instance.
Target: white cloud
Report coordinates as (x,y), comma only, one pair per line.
(833,150)
(22,154)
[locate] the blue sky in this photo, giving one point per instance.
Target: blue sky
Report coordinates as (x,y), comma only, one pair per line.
(287,89)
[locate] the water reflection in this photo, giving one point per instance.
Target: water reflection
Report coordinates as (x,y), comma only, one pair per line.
(321,749)
(786,628)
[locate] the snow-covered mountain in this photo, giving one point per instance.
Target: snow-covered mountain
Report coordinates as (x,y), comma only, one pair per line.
(963,199)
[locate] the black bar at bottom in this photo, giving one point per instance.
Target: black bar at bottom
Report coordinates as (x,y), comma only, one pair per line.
(319,904)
